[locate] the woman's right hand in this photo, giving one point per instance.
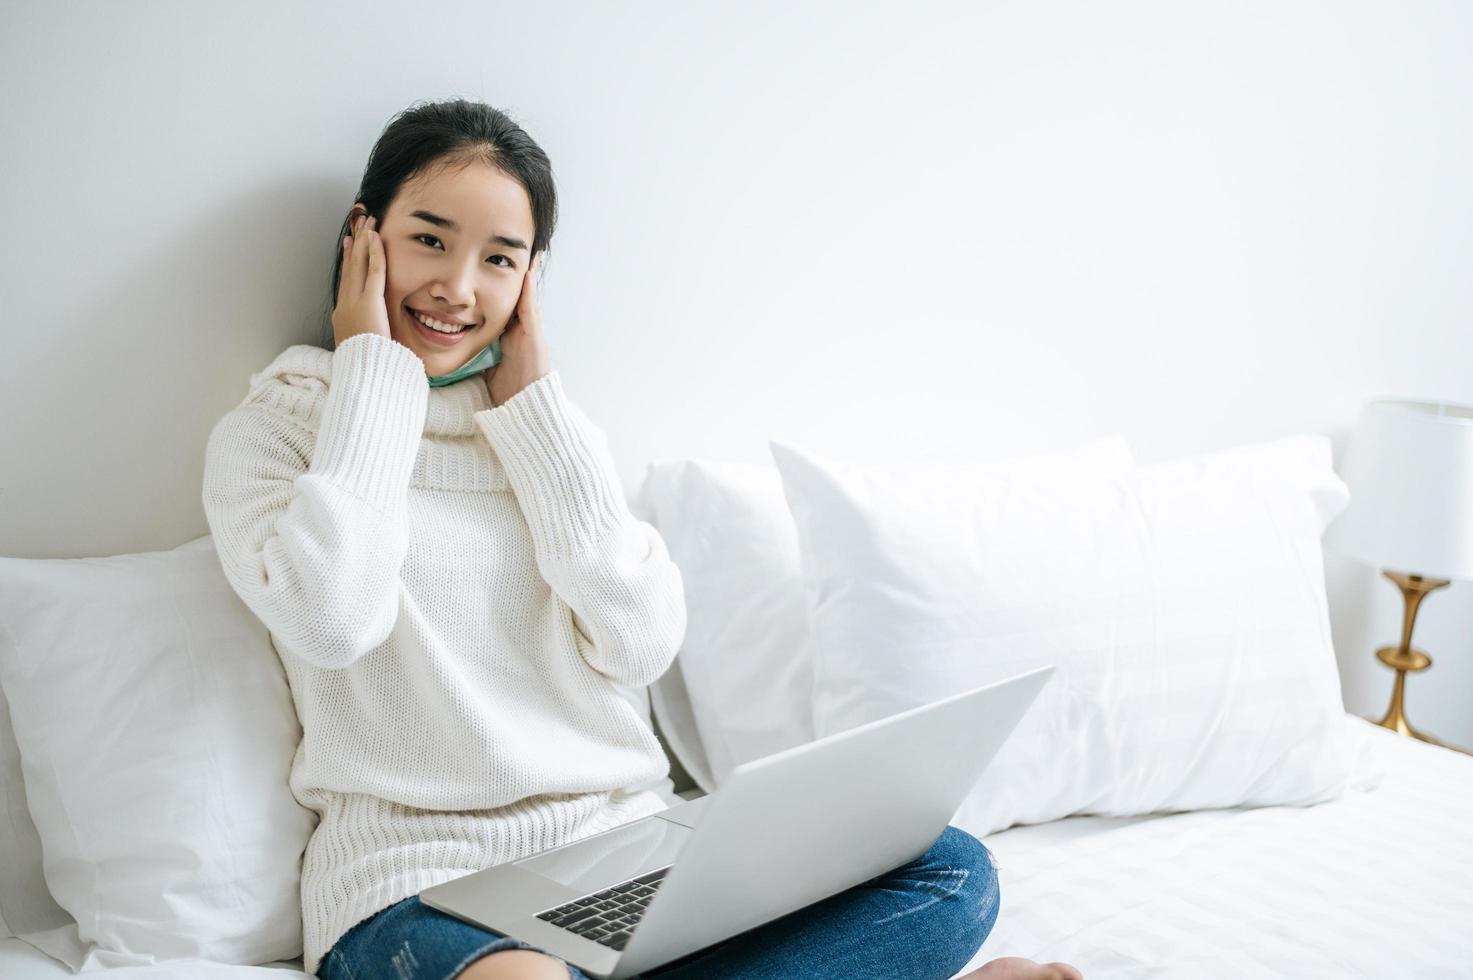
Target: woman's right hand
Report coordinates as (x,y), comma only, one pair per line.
(360,307)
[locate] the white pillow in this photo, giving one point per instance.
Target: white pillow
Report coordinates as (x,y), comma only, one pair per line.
(670,705)
(1183,603)
(27,909)
(747,676)
(729,533)
(156,734)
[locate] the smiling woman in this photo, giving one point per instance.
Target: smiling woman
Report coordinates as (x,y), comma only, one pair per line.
(453,284)
(460,596)
(463,201)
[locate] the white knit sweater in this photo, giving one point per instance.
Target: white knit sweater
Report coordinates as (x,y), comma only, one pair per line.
(454,591)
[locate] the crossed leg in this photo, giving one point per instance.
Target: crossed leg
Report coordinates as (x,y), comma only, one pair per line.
(526,964)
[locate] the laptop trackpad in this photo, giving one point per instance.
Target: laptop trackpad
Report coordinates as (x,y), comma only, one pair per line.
(605,859)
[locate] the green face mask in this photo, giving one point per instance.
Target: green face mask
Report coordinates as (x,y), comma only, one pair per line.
(489,357)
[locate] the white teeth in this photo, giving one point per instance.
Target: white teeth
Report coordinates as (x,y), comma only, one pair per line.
(436,325)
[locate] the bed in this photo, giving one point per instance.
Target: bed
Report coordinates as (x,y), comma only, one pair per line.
(1372,884)
(1191,800)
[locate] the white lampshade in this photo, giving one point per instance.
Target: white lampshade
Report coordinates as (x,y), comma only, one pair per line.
(1409,467)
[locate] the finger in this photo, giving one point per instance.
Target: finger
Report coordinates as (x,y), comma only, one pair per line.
(527,302)
(374,280)
(345,249)
(358,263)
(346,279)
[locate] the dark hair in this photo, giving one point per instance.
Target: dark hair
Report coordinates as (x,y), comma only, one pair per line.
(431,135)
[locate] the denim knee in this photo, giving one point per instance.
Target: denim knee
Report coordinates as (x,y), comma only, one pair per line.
(979,895)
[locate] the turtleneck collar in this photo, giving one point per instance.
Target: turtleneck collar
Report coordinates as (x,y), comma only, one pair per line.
(300,375)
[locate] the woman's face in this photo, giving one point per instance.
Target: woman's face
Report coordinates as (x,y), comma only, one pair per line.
(457,243)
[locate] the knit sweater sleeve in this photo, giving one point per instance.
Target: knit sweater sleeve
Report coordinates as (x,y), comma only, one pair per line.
(612,570)
(311,535)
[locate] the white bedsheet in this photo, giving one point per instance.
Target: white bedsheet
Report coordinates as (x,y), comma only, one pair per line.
(19,960)
(1377,883)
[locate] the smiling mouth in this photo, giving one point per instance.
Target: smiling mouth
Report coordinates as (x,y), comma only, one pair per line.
(438,326)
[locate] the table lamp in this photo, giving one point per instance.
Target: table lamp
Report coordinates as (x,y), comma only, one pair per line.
(1409,467)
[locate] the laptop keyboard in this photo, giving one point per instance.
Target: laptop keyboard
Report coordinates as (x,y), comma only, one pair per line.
(608,916)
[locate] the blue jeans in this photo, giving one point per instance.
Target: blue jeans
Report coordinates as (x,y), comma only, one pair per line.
(923,919)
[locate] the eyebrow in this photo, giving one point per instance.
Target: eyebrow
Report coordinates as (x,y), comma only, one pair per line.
(440,222)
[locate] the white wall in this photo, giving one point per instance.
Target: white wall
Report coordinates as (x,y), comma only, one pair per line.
(881,231)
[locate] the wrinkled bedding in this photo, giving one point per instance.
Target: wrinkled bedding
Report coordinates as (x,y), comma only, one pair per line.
(1373,884)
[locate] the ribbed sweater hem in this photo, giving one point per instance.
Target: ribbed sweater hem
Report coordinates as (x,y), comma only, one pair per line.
(367,853)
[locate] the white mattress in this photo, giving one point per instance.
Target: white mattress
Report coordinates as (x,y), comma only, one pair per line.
(1378,883)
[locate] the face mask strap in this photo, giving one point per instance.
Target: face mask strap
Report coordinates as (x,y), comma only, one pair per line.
(485,359)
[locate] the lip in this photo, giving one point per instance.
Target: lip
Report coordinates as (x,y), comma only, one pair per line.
(435,337)
(443,318)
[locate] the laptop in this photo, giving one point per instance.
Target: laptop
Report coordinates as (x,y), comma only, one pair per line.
(781,832)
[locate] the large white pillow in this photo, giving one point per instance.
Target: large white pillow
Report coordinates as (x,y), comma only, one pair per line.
(1183,603)
(747,685)
(156,733)
(747,677)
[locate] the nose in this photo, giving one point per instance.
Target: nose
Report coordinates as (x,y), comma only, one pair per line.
(458,286)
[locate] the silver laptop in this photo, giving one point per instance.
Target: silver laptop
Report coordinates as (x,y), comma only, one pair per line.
(780,833)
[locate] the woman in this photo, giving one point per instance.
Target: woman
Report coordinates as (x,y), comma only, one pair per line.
(450,573)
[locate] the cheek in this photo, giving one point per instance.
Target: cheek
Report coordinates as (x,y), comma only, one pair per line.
(505,307)
(400,272)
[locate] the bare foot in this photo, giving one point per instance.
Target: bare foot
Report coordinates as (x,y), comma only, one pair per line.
(1017,968)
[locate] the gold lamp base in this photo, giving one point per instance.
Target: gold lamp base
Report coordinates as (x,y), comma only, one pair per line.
(1404,658)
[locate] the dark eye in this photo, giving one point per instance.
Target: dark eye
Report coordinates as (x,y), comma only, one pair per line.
(432,238)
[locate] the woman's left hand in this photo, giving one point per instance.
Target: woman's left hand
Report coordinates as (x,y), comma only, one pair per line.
(524,354)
